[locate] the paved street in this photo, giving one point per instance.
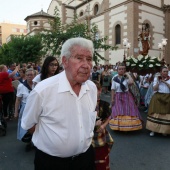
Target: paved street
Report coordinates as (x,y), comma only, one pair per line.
(131,150)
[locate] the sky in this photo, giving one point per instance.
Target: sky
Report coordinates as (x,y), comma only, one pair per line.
(15,11)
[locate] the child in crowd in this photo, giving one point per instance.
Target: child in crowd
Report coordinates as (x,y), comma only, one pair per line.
(102,140)
(144,88)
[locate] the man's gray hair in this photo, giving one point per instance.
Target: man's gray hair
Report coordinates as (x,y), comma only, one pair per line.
(70,43)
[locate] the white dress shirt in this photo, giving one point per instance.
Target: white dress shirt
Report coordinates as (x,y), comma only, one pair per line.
(64,121)
(163,88)
(37,78)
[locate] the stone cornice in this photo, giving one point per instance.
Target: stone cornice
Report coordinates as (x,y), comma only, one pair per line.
(166,8)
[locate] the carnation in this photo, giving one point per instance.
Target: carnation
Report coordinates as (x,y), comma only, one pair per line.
(135,60)
(151,61)
(158,64)
(128,58)
(159,59)
(153,57)
(150,65)
(127,63)
(144,61)
(146,56)
(140,65)
(140,57)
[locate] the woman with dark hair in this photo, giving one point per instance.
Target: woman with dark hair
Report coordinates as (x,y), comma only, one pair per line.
(158,119)
(22,75)
(49,68)
(125,114)
(95,74)
(106,79)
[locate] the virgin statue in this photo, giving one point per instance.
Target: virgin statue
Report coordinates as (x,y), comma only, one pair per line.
(144,38)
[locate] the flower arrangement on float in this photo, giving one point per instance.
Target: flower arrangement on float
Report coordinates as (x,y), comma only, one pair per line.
(144,64)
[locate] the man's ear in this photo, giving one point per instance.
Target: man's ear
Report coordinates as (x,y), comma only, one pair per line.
(65,61)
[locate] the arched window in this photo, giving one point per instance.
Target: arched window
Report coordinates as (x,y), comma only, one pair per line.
(81,14)
(96,8)
(35,22)
(147,26)
(117,34)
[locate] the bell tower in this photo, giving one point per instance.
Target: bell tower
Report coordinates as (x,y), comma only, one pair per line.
(38,22)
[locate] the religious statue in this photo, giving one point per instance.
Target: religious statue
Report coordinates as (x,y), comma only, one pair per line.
(144,38)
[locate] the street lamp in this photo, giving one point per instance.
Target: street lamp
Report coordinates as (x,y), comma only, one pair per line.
(161,46)
(125,42)
(128,47)
(164,42)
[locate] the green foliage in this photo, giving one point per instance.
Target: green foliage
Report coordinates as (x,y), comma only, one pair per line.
(22,49)
(53,39)
(5,57)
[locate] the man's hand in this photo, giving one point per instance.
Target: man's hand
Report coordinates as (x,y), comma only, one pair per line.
(32,129)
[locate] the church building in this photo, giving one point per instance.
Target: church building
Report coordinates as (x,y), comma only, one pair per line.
(122,19)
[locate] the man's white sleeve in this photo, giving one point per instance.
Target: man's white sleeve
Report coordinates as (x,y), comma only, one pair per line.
(32,111)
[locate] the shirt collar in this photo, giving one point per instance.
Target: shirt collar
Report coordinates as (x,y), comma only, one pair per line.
(65,86)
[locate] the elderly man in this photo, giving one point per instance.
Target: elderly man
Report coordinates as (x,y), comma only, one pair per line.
(62,110)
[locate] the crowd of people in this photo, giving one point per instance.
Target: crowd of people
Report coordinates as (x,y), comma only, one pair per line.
(60,111)
(129,91)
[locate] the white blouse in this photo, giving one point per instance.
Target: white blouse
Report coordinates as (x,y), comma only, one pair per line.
(116,86)
(22,92)
(163,88)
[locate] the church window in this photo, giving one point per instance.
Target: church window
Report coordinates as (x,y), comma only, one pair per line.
(96,8)
(14,30)
(147,25)
(35,22)
(117,34)
(81,14)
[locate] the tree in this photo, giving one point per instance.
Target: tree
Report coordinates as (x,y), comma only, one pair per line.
(22,49)
(5,57)
(54,38)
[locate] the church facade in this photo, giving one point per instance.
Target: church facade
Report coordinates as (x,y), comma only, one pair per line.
(119,19)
